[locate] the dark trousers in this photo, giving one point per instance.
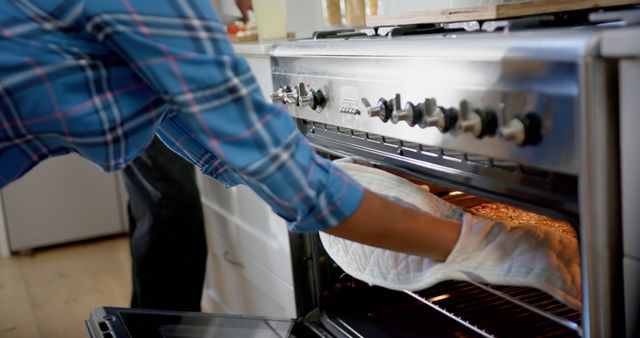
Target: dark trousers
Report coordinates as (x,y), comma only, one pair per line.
(168,247)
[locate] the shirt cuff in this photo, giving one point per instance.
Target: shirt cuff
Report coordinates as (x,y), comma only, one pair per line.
(339,200)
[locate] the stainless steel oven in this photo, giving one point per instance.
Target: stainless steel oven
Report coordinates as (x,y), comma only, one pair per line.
(525,115)
(533,113)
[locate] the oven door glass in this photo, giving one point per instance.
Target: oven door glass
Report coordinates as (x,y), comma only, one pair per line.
(132,323)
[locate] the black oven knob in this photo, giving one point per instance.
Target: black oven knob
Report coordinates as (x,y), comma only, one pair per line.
(439,117)
(478,122)
(411,113)
(523,130)
(381,110)
(311,98)
(319,99)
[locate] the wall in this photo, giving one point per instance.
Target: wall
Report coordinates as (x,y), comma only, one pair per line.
(395,6)
(305,16)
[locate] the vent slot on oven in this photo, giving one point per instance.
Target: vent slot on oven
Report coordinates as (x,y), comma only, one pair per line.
(541,191)
(401,147)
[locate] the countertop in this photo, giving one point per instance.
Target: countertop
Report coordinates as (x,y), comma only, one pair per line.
(258,47)
(255,48)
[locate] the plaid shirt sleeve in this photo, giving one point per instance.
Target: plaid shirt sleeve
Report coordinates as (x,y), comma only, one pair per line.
(219,119)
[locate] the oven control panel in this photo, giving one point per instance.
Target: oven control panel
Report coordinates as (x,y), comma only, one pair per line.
(522,129)
(499,105)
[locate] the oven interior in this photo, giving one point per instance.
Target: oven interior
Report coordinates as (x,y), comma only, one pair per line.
(341,306)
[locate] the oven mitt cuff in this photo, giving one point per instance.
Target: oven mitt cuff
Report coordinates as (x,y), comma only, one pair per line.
(397,188)
(503,253)
(376,266)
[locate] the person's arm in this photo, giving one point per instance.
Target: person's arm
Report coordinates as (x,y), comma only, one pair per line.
(221,121)
(383,223)
(244,6)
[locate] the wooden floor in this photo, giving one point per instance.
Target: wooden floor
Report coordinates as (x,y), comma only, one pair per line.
(50,292)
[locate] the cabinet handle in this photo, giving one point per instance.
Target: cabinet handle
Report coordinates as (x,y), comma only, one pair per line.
(227,257)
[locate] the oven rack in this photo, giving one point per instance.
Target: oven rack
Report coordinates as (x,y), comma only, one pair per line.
(496,311)
(351,308)
(538,190)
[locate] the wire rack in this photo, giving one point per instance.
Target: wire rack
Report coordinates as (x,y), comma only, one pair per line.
(502,311)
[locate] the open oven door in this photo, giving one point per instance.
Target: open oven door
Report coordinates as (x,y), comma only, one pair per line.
(109,322)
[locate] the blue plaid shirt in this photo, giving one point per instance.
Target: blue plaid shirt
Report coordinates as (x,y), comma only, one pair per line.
(100,78)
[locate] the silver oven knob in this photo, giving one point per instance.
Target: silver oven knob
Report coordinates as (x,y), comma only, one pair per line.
(410,113)
(304,98)
(311,98)
(469,122)
(439,117)
(513,131)
(278,96)
(291,96)
(381,110)
(523,130)
(478,122)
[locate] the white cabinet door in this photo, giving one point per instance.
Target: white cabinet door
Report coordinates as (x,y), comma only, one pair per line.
(249,265)
(62,199)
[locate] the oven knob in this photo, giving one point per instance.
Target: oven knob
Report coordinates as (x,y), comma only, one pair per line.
(478,122)
(278,96)
(319,99)
(381,110)
(523,130)
(290,95)
(311,98)
(410,113)
(439,117)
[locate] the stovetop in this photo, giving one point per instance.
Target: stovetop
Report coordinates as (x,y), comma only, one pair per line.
(629,15)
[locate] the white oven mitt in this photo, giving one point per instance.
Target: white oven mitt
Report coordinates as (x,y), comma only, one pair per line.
(487,251)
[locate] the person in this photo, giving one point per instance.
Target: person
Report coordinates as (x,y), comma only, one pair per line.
(166,226)
(101,78)
(166,231)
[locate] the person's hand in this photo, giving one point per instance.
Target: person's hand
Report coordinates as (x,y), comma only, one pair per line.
(244,6)
(529,255)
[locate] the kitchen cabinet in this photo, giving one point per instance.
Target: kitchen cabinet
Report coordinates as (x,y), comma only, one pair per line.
(61,200)
(249,265)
